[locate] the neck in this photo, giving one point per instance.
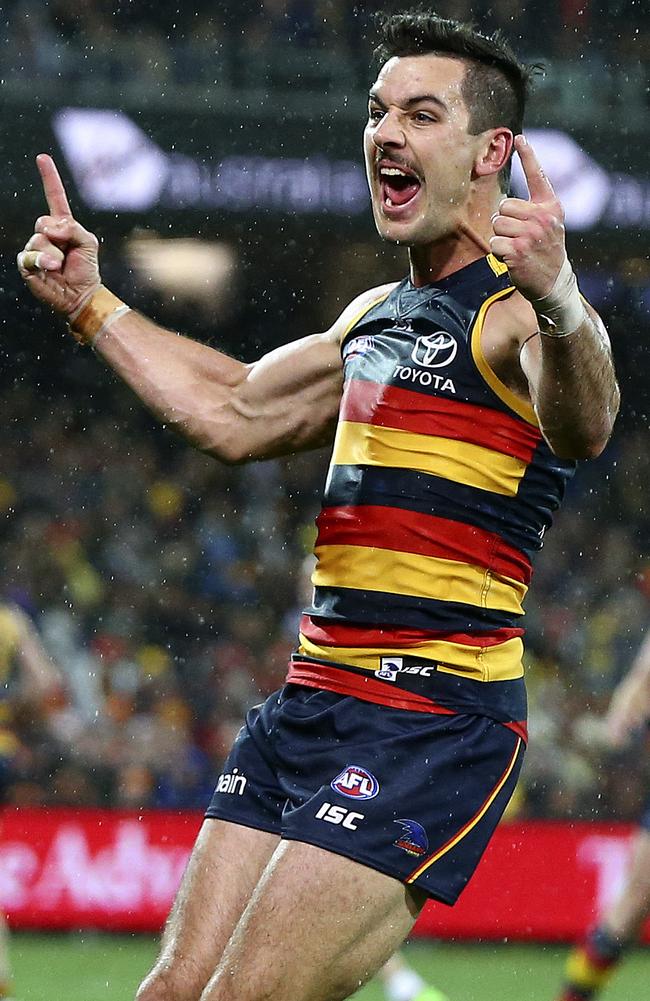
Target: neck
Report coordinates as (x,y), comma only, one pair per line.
(469,242)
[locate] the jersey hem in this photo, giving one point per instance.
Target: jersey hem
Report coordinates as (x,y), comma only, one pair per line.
(372,864)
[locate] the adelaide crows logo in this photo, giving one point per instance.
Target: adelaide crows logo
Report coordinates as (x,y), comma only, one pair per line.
(414,839)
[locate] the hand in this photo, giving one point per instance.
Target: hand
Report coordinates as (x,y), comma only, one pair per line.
(529,235)
(59,263)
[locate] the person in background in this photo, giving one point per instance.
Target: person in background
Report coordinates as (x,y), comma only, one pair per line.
(29,677)
(591,964)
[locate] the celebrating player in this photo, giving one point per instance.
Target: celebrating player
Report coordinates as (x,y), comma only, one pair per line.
(458,400)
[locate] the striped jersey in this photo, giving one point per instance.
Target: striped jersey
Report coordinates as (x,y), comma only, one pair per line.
(440,489)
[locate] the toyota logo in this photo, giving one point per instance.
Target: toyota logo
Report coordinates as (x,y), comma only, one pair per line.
(435,350)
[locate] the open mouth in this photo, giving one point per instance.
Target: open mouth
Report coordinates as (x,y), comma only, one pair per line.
(399,186)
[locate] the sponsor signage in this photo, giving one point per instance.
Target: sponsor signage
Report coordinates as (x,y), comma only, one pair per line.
(116,871)
(119,166)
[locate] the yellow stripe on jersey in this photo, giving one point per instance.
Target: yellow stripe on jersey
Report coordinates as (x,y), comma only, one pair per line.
(368,569)
(362,312)
(493,663)
(497,266)
(458,461)
(515,402)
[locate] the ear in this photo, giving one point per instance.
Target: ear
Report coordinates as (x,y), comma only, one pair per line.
(494,152)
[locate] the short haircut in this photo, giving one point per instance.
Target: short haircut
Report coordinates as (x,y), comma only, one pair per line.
(496,84)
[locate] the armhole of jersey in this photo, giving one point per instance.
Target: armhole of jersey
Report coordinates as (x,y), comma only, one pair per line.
(505,394)
(362,312)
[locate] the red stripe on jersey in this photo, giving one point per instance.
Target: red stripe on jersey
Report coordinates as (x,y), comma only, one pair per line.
(333,679)
(393,407)
(326,632)
(405,531)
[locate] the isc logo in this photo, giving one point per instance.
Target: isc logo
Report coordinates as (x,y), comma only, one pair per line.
(356,782)
(339,815)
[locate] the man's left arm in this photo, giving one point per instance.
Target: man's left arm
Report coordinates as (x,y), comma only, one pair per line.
(565,351)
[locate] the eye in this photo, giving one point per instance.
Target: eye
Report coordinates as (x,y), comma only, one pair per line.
(424,117)
(375,114)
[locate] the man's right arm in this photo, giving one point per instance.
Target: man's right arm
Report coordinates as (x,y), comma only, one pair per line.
(286,402)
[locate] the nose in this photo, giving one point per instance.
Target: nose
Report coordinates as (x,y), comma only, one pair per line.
(389,132)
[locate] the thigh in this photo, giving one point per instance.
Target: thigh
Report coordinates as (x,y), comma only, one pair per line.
(317,926)
(226,864)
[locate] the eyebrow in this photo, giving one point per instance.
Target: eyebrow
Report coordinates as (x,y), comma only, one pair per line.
(418,99)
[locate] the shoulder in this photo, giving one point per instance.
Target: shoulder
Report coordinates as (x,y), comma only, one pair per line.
(357,308)
(510,320)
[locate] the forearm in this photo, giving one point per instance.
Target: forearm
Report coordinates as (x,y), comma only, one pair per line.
(576,394)
(186,385)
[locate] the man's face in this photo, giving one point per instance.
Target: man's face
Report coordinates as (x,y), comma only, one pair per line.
(419,155)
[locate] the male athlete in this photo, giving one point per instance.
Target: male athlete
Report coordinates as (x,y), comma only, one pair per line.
(374,779)
(591,965)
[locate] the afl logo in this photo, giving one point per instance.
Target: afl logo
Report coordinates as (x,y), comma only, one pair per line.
(435,350)
(356,783)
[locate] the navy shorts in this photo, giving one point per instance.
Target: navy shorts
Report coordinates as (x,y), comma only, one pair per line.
(413,795)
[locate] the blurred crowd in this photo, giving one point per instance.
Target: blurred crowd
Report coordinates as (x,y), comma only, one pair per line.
(167,588)
(267,43)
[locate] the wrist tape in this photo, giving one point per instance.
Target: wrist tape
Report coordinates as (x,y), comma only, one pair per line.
(95,315)
(562,310)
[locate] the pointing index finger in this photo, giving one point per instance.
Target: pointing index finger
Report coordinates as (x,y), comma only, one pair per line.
(57,200)
(539,186)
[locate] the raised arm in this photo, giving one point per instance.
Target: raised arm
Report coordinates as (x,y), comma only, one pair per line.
(283,403)
(564,351)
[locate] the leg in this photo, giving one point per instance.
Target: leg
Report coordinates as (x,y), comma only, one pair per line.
(225,866)
(591,965)
(317,927)
(625,918)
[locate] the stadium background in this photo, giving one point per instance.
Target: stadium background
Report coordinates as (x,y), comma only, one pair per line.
(167,587)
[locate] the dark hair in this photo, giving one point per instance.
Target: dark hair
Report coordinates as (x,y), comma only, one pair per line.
(496,83)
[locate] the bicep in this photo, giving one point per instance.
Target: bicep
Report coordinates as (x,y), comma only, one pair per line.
(289,399)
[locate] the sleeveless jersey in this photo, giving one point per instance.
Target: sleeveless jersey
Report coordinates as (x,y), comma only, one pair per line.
(440,488)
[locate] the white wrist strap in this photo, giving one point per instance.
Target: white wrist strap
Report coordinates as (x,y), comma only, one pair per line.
(562,306)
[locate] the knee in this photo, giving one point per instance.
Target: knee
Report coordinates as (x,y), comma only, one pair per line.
(170,984)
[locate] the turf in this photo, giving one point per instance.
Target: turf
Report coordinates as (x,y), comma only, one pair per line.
(107,968)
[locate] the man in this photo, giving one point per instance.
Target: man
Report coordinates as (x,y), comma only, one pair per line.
(375,777)
(591,965)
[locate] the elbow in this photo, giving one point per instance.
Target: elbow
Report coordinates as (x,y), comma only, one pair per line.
(578,447)
(227,449)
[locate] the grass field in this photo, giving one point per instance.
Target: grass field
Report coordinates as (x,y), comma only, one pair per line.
(108,968)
